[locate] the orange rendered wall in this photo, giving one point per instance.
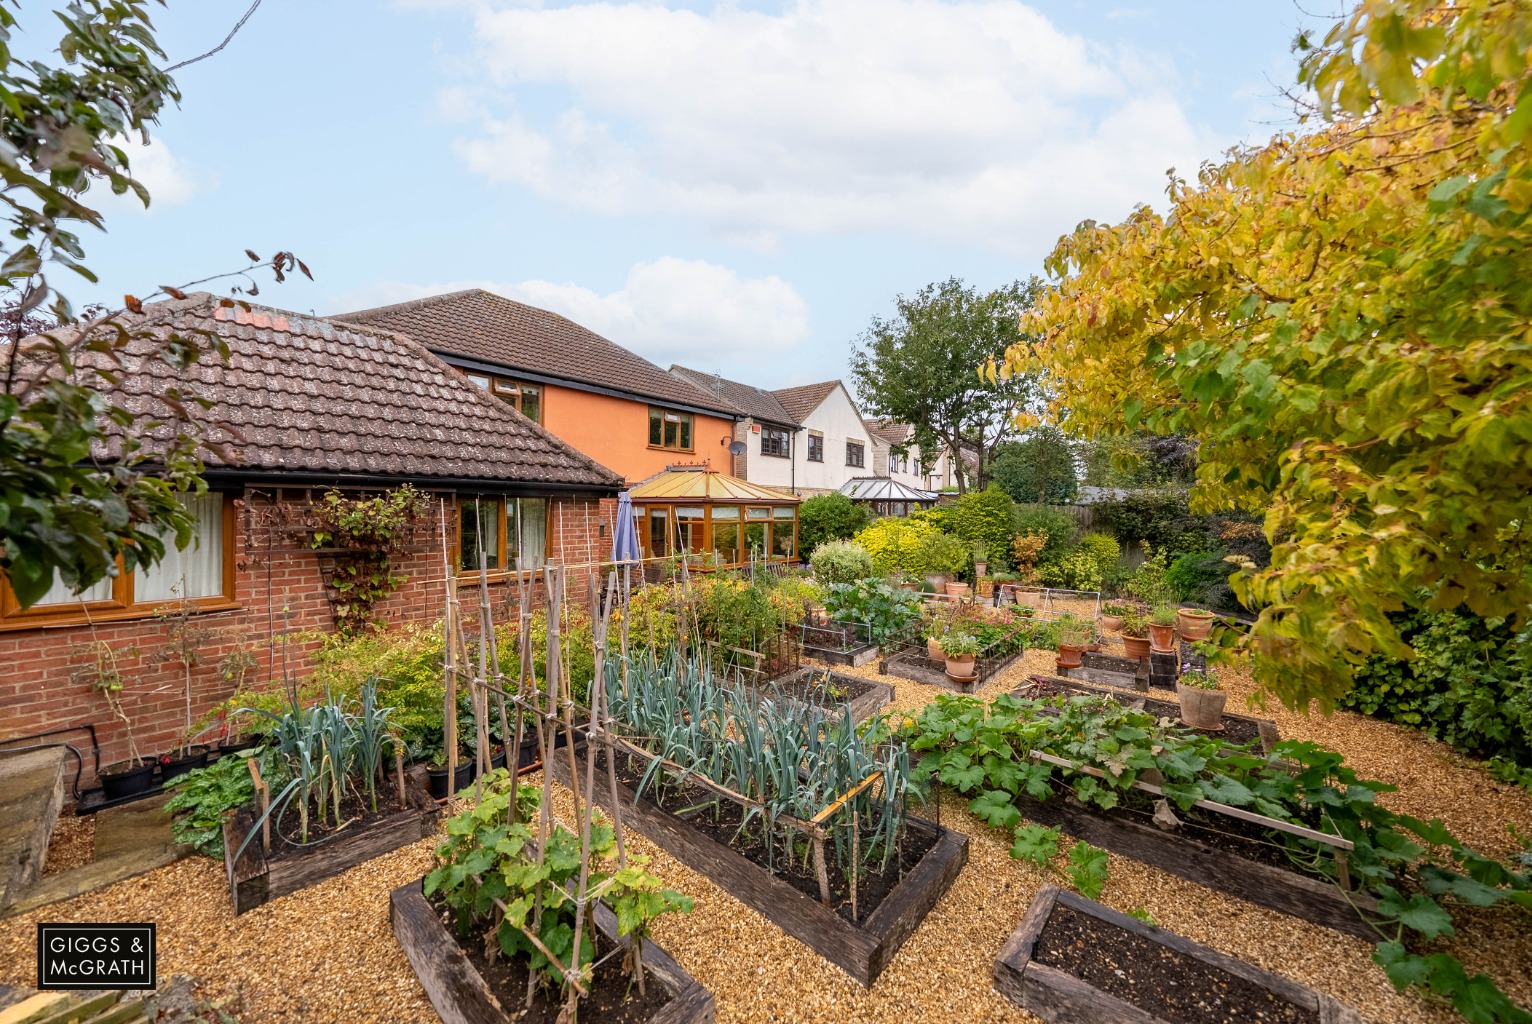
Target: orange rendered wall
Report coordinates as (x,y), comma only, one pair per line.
(615,432)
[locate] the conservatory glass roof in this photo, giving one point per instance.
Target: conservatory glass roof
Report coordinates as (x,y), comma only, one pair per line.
(882,488)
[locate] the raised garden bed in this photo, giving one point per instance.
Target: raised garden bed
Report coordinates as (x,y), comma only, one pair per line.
(916,665)
(1238,729)
(1074,961)
(838,644)
(259,876)
(1104,669)
(461,994)
(832,689)
(928,863)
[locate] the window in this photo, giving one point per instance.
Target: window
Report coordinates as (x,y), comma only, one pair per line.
(816,447)
(774,442)
(854,454)
(526,399)
(689,524)
(503,529)
(757,524)
(784,533)
(726,534)
(201,574)
(671,430)
(895,462)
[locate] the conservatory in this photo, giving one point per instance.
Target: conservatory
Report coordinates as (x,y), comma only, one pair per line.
(885,496)
(720,520)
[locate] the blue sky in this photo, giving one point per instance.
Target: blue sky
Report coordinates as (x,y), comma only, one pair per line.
(739,187)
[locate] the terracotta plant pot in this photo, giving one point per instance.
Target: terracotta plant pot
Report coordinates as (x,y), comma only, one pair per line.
(1069,656)
(1111,623)
(934,649)
(980,568)
(938,582)
(957,590)
(1135,647)
(960,667)
(1163,638)
(1202,709)
(1195,625)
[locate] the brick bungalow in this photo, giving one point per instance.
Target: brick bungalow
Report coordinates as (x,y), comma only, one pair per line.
(309,405)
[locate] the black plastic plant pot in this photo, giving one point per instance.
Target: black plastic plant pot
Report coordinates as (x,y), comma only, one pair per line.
(171,767)
(235,745)
(127,779)
(497,759)
(436,779)
(528,754)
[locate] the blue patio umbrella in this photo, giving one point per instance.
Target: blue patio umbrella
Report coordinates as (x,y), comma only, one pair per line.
(625,537)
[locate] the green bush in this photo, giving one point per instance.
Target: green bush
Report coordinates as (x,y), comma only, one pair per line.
(884,609)
(1161,519)
(1203,578)
(841,561)
(986,517)
(829,517)
(944,554)
(895,544)
(1054,523)
(1469,684)
(1077,570)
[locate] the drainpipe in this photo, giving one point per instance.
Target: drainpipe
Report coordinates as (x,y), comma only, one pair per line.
(792,464)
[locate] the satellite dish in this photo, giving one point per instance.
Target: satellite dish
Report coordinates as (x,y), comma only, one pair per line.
(736,447)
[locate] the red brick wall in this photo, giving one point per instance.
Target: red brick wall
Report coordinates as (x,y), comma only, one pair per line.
(280,587)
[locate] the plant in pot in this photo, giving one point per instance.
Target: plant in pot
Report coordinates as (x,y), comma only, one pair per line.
(980,552)
(1202,702)
(1073,636)
(184,645)
(1162,629)
(1135,634)
(1195,623)
(960,650)
(232,669)
(1111,616)
(100,673)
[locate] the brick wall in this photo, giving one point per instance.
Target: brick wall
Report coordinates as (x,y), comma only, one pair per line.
(280,587)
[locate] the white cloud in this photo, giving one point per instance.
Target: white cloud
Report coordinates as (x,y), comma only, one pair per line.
(169,179)
(975,121)
(668,310)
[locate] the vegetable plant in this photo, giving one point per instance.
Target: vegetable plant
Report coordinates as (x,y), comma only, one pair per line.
(201,798)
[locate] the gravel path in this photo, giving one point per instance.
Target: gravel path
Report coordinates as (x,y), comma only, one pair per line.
(270,959)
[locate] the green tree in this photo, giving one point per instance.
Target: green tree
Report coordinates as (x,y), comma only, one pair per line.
(1338,318)
(829,517)
(1038,468)
(922,368)
(80,489)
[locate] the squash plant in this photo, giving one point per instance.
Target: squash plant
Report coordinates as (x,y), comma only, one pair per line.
(490,877)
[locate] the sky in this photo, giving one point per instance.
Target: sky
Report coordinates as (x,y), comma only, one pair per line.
(740,187)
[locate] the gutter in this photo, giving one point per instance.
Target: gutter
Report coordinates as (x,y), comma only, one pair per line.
(511,488)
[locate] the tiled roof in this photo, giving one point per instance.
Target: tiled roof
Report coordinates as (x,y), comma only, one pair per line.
(801,401)
(888,431)
(301,395)
(479,325)
(751,401)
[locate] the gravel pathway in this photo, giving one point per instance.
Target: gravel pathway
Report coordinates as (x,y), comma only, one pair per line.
(326,954)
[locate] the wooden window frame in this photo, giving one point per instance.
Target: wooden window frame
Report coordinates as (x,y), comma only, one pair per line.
(686,417)
(861,454)
(470,576)
(778,436)
(499,387)
(816,448)
(122,606)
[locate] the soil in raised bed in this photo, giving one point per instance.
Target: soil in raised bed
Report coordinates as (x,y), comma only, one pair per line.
(613,997)
(1159,980)
(356,813)
(811,688)
(1236,731)
(696,806)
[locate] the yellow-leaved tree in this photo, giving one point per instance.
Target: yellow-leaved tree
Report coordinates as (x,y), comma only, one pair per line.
(1343,320)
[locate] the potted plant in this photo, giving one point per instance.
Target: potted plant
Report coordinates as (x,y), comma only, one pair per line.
(1195,623)
(1111,616)
(1073,637)
(956,588)
(960,650)
(1202,702)
(1135,634)
(934,646)
(980,551)
(1162,629)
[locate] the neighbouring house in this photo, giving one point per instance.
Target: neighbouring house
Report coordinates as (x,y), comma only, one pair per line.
(717,519)
(305,405)
(593,394)
(909,467)
(770,434)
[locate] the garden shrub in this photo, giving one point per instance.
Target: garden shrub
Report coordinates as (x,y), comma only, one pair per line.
(829,517)
(895,544)
(1054,523)
(942,553)
(841,561)
(883,608)
(1078,570)
(986,517)
(1161,519)
(1203,578)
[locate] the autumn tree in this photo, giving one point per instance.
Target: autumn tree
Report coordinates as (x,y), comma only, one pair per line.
(921,367)
(1339,319)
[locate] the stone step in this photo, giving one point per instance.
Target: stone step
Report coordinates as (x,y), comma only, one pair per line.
(31,794)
